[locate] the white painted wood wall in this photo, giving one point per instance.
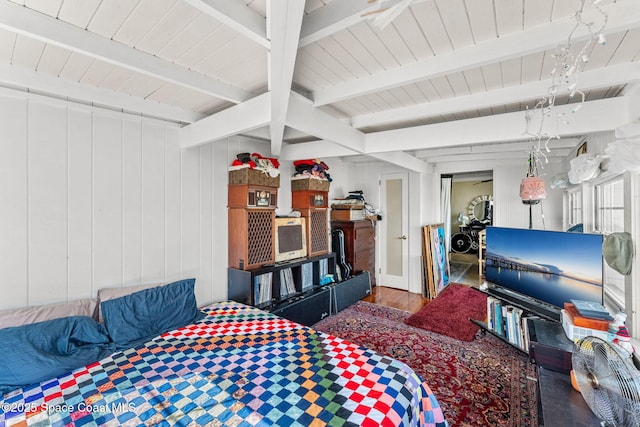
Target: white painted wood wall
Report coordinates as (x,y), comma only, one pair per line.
(91,198)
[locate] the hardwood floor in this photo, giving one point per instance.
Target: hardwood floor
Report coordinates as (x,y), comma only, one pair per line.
(396,298)
(411,302)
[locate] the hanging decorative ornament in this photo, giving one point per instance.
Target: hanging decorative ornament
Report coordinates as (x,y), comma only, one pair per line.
(543,121)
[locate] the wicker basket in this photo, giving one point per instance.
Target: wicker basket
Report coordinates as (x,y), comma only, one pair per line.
(309,184)
(253,177)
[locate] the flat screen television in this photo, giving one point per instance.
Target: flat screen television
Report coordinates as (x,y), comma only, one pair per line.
(550,266)
(291,242)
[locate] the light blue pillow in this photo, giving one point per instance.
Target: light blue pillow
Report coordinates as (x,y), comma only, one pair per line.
(140,316)
(44,350)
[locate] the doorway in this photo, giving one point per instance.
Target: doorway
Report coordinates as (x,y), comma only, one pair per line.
(394,231)
(471,210)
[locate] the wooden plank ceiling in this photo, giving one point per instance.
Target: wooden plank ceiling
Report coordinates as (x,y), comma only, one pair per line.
(444,79)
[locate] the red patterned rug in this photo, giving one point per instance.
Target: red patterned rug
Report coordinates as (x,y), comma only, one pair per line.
(449,313)
(481,383)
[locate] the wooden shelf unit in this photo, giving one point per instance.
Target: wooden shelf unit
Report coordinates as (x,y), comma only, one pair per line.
(360,245)
(306,275)
(311,301)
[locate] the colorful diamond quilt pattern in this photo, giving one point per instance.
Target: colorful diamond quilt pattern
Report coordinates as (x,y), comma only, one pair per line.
(239,366)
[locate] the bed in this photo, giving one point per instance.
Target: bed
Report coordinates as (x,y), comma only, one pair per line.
(233,365)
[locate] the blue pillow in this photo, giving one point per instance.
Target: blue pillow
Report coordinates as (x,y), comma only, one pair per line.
(138,317)
(44,350)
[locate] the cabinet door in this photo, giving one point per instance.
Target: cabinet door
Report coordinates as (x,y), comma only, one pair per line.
(308,310)
(351,290)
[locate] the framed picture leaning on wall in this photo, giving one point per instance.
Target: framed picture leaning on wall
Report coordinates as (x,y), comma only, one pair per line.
(436,260)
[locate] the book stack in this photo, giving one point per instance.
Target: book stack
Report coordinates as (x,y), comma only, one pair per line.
(585,318)
(592,310)
(583,321)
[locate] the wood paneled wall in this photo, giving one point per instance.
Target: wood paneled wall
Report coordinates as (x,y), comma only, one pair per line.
(91,198)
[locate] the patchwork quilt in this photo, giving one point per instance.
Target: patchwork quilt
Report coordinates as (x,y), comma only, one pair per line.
(238,366)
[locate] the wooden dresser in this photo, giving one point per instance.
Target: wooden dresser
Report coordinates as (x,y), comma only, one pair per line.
(360,245)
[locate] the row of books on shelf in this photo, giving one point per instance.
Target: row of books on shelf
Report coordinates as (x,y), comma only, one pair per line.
(307,277)
(262,288)
(509,322)
(287,284)
(263,283)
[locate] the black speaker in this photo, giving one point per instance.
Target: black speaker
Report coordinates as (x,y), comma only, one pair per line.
(308,310)
(351,290)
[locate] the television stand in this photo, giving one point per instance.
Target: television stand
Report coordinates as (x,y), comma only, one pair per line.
(530,305)
(508,314)
(559,405)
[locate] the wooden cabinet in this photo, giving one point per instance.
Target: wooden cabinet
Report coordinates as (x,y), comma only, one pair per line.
(360,245)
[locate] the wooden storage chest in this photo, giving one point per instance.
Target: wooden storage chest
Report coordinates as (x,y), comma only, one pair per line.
(309,184)
(253,177)
(360,245)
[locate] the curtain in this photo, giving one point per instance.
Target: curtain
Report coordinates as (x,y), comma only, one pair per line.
(445,208)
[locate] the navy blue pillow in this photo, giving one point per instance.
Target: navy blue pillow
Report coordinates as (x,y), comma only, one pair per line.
(138,317)
(44,350)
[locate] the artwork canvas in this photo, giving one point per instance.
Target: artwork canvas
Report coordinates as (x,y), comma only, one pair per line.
(440,260)
(436,260)
(428,290)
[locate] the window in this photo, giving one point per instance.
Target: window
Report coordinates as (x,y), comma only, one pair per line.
(608,216)
(575,207)
(609,206)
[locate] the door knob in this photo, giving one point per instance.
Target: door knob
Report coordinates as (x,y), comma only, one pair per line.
(403,237)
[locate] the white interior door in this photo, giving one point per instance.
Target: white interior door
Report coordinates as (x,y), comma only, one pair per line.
(394,236)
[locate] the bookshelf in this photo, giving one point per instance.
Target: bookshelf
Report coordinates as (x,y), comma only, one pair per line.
(266,286)
(536,331)
(299,290)
(508,315)
(507,322)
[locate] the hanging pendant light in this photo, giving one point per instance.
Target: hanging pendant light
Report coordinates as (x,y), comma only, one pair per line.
(532,190)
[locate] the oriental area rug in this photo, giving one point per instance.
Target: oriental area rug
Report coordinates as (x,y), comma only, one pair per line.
(484,382)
